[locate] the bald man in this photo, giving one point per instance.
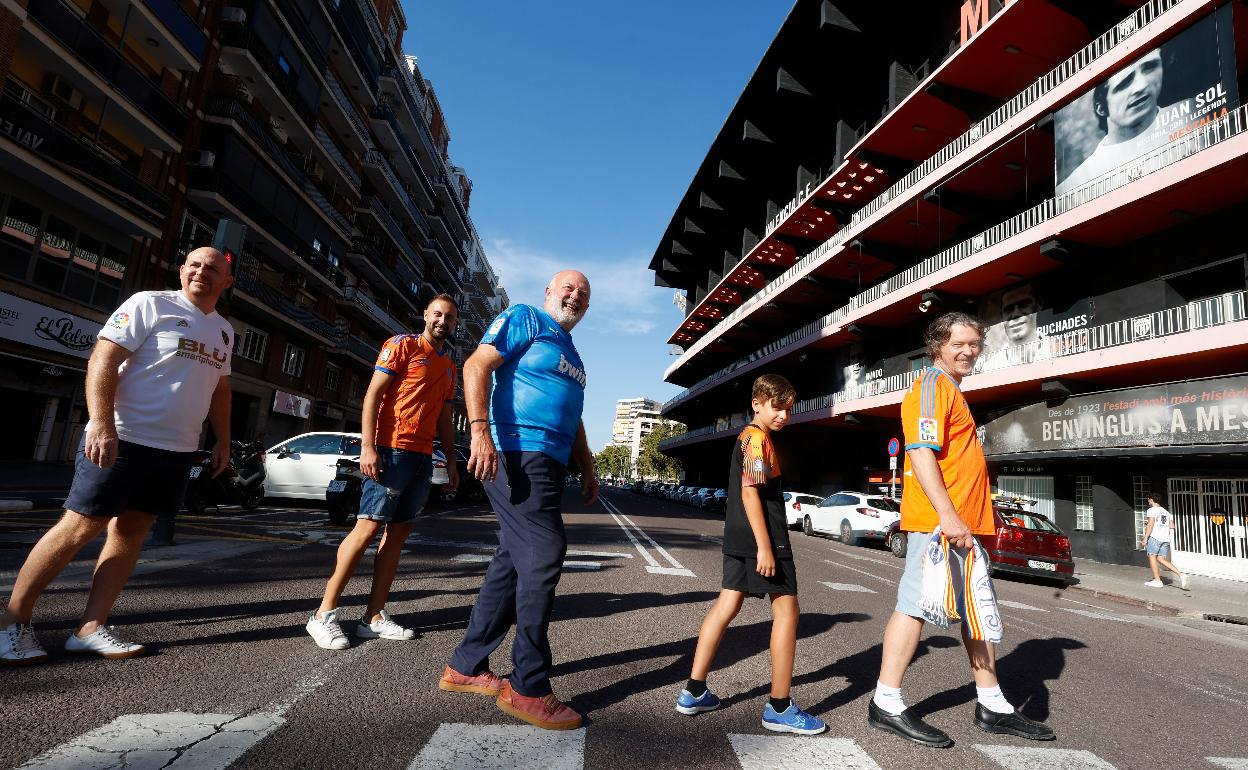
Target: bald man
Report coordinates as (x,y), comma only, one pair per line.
(161,364)
(520,451)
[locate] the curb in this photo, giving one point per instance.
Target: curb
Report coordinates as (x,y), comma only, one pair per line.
(15,505)
(1133,601)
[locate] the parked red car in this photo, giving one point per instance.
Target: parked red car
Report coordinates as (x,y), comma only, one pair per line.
(1025,543)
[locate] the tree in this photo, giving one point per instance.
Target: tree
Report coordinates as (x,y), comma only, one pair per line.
(614,462)
(653,463)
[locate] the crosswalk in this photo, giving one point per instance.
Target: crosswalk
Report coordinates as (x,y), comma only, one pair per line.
(181,741)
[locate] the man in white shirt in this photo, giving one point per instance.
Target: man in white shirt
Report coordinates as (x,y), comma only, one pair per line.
(1158,535)
(161,364)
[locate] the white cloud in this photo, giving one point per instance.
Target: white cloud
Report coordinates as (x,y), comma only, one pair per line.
(623,297)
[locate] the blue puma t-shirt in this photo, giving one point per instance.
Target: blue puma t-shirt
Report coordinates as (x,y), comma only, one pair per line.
(539,390)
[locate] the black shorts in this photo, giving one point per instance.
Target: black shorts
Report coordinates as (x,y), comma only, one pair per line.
(142,479)
(741,574)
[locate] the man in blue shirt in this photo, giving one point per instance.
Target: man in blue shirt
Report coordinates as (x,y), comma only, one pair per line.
(521,452)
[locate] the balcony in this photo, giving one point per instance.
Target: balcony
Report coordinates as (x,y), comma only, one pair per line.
(352,63)
(443,261)
(1027,227)
(372,204)
(379,315)
(183,27)
(348,121)
(362,349)
(369,13)
(82,43)
(243,44)
(335,153)
(399,278)
(293,15)
(375,159)
(275,302)
(391,137)
(72,154)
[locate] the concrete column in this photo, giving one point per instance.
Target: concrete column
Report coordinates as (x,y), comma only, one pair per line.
(44,440)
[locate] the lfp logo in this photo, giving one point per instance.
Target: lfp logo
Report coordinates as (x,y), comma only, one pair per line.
(120,319)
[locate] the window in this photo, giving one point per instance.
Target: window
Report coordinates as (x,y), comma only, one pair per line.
(250,343)
(292,362)
(1083,503)
(315,444)
(284,63)
(1139,485)
(353,387)
(333,376)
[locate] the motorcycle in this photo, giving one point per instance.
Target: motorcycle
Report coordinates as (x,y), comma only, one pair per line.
(241,483)
(342,496)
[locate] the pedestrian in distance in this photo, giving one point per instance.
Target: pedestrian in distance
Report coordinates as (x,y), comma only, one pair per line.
(1158,536)
(945,503)
(523,433)
(758,561)
(407,401)
(160,365)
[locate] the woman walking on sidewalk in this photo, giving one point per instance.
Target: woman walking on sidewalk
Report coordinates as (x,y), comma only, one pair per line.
(1158,534)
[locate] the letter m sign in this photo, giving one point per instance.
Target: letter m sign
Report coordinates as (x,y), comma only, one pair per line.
(975,14)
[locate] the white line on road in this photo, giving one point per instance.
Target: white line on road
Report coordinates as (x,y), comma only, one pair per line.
(1230,763)
(1019,605)
(890,564)
(601,554)
(652,565)
(854,587)
(469,747)
(861,572)
(766,752)
(1098,615)
(482,558)
(1024,758)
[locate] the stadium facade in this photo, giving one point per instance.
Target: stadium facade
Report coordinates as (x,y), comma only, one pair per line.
(1071,171)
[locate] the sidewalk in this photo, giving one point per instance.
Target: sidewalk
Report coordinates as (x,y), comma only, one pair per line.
(1206,596)
(25,475)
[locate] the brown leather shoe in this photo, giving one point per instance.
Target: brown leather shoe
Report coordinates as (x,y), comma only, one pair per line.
(485,683)
(545,712)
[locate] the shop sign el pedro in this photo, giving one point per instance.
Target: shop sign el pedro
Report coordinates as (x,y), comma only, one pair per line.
(1211,411)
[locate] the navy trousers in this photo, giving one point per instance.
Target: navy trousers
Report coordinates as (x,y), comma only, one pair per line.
(520,582)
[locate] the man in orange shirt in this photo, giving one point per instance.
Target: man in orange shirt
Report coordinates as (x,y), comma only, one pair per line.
(407,400)
(946,486)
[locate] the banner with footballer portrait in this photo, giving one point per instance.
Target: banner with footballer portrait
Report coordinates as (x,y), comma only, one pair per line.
(1160,97)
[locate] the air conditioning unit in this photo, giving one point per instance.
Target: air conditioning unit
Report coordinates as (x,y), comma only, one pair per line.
(201,158)
(64,90)
(233,15)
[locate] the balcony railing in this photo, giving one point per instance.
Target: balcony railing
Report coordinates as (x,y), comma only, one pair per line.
(411,95)
(379,160)
(347,106)
(362,348)
(65,23)
(335,152)
(386,112)
(354,44)
(373,22)
(275,300)
(1201,314)
(70,151)
(379,314)
(1002,115)
(1203,138)
(183,27)
(246,40)
(294,18)
(379,209)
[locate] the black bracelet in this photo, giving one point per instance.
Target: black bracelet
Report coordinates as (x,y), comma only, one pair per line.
(479,419)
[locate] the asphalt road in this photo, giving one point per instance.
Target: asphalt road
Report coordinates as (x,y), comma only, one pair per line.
(233,680)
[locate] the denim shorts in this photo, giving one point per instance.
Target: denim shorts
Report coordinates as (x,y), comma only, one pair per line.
(910,588)
(1155,547)
(141,479)
(403,489)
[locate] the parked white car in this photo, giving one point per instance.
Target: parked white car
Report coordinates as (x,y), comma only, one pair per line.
(852,516)
(303,466)
(794,505)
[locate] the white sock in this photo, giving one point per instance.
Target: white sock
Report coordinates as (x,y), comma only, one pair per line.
(994,700)
(889,699)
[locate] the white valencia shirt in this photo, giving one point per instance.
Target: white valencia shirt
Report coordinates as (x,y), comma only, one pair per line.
(178,356)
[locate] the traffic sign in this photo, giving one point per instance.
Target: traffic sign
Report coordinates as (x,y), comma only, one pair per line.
(894,446)
(892,464)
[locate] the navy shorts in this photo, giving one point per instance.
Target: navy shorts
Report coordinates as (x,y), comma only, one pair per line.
(741,574)
(403,490)
(142,479)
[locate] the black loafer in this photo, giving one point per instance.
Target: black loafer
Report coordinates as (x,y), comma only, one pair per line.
(1012,723)
(908,726)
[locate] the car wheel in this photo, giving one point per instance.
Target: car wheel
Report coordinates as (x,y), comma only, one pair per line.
(806,525)
(449,497)
(252,501)
(847,534)
(897,544)
(338,515)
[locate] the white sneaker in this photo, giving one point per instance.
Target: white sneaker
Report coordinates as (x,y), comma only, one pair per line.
(383,629)
(1183,582)
(1155,584)
(104,643)
(19,647)
(326,631)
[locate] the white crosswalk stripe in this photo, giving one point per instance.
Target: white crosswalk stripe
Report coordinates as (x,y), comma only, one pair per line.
(1230,763)
(1019,605)
(482,558)
(854,587)
(1098,615)
(467,747)
(765,752)
(1027,758)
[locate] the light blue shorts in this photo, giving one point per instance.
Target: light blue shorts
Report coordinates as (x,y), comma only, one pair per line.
(401,494)
(910,589)
(1155,547)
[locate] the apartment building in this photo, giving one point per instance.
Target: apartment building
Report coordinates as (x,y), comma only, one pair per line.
(635,418)
(1070,172)
(133,129)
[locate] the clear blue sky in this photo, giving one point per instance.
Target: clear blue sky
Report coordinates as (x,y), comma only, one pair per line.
(581,124)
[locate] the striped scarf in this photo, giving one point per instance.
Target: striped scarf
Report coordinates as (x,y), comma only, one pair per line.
(956,586)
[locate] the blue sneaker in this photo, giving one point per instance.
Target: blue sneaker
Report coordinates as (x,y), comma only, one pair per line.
(687,704)
(792,720)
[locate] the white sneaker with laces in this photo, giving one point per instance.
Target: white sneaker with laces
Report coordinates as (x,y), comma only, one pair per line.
(1155,584)
(105,643)
(19,647)
(383,629)
(1183,582)
(326,631)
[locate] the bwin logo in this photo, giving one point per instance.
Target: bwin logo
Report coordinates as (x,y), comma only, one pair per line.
(571,371)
